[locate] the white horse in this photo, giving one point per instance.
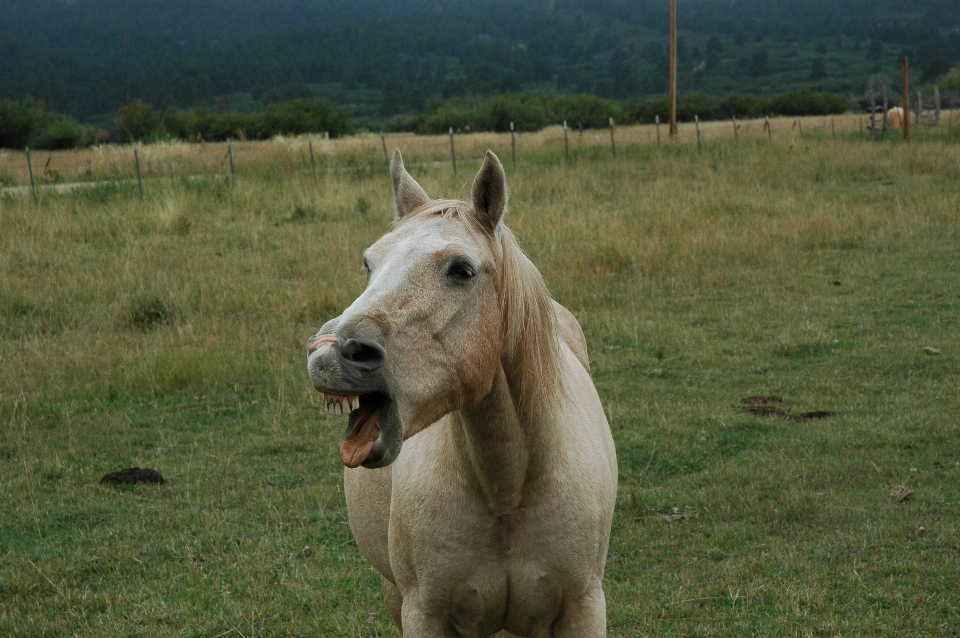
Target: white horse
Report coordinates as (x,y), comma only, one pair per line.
(481,473)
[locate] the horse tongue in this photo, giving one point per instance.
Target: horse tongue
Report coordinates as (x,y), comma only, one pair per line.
(355,449)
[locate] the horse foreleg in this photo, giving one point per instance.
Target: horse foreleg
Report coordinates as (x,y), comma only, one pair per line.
(394,601)
(585,617)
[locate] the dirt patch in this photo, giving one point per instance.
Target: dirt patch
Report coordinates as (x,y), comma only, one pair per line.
(132,476)
(900,493)
(770,406)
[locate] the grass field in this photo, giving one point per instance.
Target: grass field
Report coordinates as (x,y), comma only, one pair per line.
(170,334)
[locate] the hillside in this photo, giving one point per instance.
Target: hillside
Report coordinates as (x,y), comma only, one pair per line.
(378,59)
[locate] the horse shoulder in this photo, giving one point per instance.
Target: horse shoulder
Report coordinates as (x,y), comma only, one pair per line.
(367,494)
(572,334)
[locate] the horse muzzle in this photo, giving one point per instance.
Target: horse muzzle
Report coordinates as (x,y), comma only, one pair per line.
(347,369)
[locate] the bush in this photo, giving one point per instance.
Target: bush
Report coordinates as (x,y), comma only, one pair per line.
(292,118)
(807,102)
(61,132)
(135,120)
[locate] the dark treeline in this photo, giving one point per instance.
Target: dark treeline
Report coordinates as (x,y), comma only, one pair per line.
(88,57)
(30,124)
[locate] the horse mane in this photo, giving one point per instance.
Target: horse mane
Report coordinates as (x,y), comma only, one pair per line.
(531,345)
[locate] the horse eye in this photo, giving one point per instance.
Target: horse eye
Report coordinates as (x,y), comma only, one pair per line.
(460,271)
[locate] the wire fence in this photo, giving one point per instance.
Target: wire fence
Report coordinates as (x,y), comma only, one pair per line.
(25,173)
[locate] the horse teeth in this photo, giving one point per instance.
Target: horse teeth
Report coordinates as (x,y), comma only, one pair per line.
(340,405)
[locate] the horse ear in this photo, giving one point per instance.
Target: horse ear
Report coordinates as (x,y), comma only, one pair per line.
(490,193)
(407,193)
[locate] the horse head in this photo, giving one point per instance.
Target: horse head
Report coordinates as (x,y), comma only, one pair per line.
(426,336)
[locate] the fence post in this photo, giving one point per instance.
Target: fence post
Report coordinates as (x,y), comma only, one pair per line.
(313,162)
(766,125)
(383,142)
(453,153)
(800,127)
(696,119)
(566,145)
(919,106)
(936,104)
(736,135)
(886,109)
(833,128)
(513,146)
(233,178)
(613,145)
(136,158)
(33,184)
(905,64)
(873,116)
(658,130)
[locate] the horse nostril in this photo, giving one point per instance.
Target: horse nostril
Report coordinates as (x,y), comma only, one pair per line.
(367,355)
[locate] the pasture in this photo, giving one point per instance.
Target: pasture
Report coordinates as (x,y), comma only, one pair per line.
(169,333)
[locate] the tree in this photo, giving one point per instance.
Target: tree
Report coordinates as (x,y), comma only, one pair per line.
(758,62)
(135,120)
(818,70)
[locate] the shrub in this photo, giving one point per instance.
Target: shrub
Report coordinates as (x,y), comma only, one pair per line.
(59,133)
(807,102)
(135,120)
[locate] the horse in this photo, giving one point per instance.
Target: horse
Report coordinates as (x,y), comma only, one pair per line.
(480,472)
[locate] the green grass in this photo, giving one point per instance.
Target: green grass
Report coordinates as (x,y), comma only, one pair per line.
(170,334)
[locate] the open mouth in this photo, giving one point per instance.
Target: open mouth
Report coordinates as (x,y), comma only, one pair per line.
(367,412)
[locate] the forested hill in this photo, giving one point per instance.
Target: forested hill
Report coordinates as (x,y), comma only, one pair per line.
(382,57)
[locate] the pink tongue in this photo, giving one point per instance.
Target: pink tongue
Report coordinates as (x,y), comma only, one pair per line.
(359,443)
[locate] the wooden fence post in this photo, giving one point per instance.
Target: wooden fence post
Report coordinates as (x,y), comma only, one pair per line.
(658,130)
(136,159)
(566,145)
(736,134)
(769,128)
(383,142)
(613,145)
(919,107)
(33,184)
(906,98)
(873,116)
(800,127)
(313,161)
(233,177)
(696,119)
(886,109)
(833,128)
(513,146)
(453,154)
(936,104)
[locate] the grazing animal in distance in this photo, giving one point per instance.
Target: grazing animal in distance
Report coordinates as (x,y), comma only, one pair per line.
(895,118)
(480,471)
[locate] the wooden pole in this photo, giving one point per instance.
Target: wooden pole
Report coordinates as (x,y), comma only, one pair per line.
(936,104)
(696,119)
(513,145)
(453,153)
(383,142)
(873,117)
(673,69)
(658,131)
(769,128)
(886,109)
(233,177)
(905,64)
(313,161)
(736,134)
(613,145)
(136,158)
(33,184)
(566,144)
(919,107)
(833,128)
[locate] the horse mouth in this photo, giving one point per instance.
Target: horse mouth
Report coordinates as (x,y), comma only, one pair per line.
(369,415)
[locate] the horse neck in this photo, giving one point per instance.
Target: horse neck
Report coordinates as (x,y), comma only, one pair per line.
(506,436)
(501,444)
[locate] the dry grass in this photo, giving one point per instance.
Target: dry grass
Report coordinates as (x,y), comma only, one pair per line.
(170,333)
